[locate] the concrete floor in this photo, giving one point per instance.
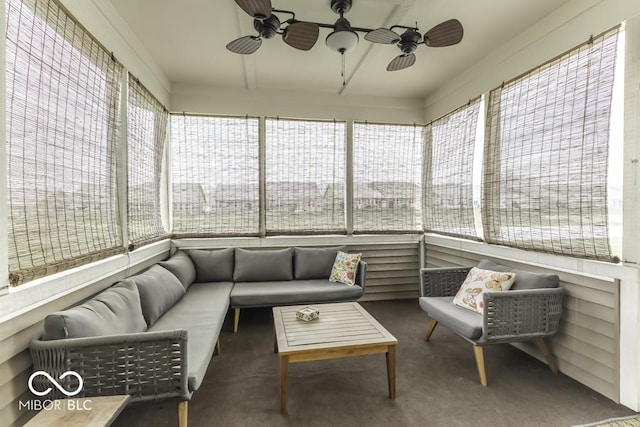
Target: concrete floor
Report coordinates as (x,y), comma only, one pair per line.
(437,384)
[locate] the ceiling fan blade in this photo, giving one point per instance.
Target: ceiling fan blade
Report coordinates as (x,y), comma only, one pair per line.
(245,45)
(444,34)
(260,9)
(401,62)
(382,35)
(301,35)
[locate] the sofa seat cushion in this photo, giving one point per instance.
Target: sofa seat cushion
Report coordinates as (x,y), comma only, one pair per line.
(524,279)
(112,312)
(201,312)
(460,320)
(266,294)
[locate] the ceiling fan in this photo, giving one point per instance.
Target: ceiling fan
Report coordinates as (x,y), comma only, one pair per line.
(304,34)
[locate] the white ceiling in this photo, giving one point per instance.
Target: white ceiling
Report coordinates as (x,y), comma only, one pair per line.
(187,38)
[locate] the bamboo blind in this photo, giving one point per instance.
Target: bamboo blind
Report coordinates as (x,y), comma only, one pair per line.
(546,155)
(387,175)
(448,173)
(63,99)
(146,133)
(215,172)
(305,173)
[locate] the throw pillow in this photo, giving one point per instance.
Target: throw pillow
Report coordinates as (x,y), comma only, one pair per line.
(113,311)
(263,265)
(479,281)
(182,267)
(213,265)
(314,263)
(344,268)
(159,291)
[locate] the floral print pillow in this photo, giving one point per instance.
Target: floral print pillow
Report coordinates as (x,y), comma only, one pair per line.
(344,268)
(479,281)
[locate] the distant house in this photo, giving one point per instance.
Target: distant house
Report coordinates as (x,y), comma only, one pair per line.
(293,196)
(364,196)
(236,197)
(144,197)
(396,194)
(189,198)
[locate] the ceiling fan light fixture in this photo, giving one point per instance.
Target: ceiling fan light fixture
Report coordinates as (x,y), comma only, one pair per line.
(343,38)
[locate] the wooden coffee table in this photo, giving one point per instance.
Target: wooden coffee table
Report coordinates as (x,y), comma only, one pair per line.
(82,412)
(343,330)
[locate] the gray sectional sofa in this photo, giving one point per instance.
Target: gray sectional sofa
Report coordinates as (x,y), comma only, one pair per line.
(152,335)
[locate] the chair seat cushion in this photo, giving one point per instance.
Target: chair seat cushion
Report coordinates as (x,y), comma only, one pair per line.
(460,320)
(266,294)
(201,312)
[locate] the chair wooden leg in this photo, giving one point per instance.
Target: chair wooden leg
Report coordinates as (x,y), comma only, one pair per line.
(183,413)
(236,320)
(542,346)
(430,328)
(479,353)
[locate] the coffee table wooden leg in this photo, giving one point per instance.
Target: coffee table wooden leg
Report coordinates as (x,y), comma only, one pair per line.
(391,370)
(284,371)
(275,340)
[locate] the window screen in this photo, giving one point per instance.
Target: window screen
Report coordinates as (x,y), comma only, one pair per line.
(448,173)
(304,176)
(215,165)
(146,133)
(63,97)
(387,170)
(546,154)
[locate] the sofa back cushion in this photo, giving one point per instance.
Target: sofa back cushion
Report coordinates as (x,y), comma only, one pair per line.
(159,290)
(314,263)
(524,279)
(262,266)
(182,267)
(213,265)
(114,311)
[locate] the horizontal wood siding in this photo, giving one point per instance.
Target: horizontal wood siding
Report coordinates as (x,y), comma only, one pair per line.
(587,346)
(16,333)
(392,270)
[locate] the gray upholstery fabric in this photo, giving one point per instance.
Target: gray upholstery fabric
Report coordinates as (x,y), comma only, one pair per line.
(315,263)
(201,313)
(182,267)
(263,266)
(213,265)
(460,320)
(113,311)
(524,279)
(257,294)
(159,290)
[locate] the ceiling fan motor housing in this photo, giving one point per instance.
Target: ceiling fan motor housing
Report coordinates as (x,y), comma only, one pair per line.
(341,6)
(267,28)
(409,41)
